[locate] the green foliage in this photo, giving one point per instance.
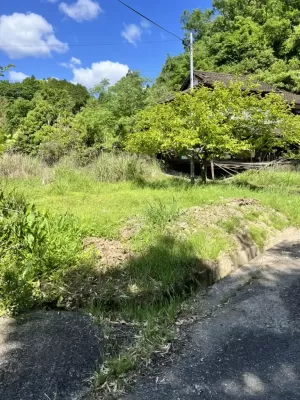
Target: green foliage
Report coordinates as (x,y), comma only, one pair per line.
(231,225)
(126,97)
(207,124)
(40,117)
(159,214)
(63,137)
(25,90)
(100,125)
(35,249)
(258,235)
(248,37)
(78,93)
(16,112)
(4,69)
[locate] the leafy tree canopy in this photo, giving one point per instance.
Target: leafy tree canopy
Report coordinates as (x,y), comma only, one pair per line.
(258,37)
(208,123)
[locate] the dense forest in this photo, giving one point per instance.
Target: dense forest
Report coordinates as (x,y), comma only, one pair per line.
(51,117)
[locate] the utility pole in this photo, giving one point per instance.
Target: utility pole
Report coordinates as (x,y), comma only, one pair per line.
(192,59)
(192,160)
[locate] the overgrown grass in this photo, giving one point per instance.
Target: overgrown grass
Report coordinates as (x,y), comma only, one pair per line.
(170,251)
(20,166)
(259,235)
(123,167)
(276,178)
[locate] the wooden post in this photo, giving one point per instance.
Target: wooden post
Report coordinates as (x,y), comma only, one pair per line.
(212,167)
(192,170)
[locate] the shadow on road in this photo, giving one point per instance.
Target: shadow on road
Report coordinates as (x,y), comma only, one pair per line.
(249,347)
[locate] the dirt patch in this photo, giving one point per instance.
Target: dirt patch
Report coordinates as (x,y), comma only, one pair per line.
(131,229)
(211,215)
(111,252)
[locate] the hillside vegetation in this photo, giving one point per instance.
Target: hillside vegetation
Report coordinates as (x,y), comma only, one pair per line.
(242,37)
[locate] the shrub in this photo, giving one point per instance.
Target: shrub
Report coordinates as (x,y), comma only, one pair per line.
(35,249)
(50,152)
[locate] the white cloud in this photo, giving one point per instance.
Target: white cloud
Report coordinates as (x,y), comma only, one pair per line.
(15,76)
(82,10)
(132,33)
(72,63)
(75,61)
(145,24)
(28,35)
(90,77)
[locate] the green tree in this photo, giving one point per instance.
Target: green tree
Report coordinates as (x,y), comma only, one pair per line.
(66,135)
(127,96)
(78,93)
(5,69)
(100,124)
(46,107)
(241,36)
(16,112)
(100,90)
(208,124)
(16,90)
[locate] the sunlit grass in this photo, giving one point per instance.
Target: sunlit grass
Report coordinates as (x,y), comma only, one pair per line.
(150,288)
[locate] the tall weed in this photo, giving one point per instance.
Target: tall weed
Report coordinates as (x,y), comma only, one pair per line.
(159,213)
(20,166)
(34,249)
(111,167)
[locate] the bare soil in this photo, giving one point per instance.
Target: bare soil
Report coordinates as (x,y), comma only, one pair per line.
(112,253)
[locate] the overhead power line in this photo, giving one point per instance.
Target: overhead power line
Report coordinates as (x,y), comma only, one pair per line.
(85,44)
(152,22)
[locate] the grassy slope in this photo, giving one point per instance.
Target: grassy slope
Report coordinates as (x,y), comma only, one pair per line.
(103,208)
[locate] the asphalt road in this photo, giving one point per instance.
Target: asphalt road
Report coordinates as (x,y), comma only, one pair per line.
(48,355)
(248,344)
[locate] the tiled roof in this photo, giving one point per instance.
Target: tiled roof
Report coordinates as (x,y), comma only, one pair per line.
(209,79)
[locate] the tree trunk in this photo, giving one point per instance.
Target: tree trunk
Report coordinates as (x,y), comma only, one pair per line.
(192,170)
(204,170)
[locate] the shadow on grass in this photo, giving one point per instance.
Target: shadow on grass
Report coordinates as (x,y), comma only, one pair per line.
(167,183)
(172,183)
(248,185)
(167,269)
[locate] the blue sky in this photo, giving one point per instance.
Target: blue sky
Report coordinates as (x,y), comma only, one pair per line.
(44,37)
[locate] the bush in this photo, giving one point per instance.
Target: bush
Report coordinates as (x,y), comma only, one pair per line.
(51,152)
(35,250)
